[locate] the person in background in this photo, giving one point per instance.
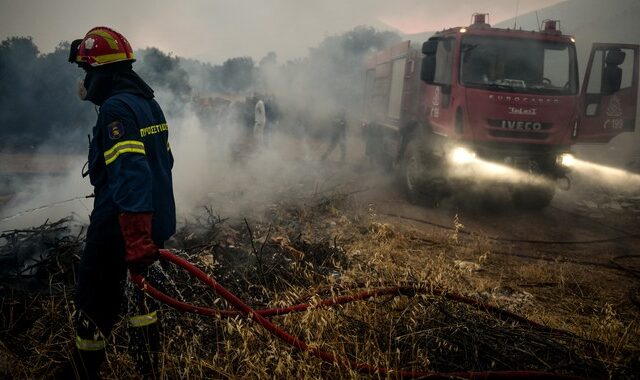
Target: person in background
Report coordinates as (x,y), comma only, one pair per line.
(260,122)
(130,163)
(338,135)
(272,117)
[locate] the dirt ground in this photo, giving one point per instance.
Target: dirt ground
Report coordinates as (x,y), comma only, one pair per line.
(574,258)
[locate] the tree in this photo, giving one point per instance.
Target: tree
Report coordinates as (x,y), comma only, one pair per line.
(237,73)
(65,119)
(267,68)
(162,71)
(37,93)
(17,58)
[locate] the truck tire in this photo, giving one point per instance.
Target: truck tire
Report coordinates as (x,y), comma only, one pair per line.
(421,173)
(532,197)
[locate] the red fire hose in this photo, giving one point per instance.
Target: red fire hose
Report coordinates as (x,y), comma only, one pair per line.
(259,316)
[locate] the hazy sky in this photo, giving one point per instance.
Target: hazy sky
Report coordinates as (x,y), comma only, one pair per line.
(213,30)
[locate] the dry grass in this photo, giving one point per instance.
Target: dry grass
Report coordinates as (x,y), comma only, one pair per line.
(333,247)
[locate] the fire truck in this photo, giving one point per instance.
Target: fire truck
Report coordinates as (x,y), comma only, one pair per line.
(509,99)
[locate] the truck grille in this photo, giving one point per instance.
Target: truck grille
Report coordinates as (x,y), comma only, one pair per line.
(519,135)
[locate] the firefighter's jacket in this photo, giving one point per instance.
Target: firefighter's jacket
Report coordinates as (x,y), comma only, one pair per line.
(130,164)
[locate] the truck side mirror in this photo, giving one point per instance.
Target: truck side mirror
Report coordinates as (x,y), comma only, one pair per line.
(428,69)
(430,47)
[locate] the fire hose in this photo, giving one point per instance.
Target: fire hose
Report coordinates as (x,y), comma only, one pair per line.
(260,317)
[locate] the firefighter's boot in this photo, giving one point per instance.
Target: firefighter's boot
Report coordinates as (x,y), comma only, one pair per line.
(144,326)
(144,344)
(90,348)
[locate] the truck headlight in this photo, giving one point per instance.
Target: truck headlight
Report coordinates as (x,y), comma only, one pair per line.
(566,160)
(462,156)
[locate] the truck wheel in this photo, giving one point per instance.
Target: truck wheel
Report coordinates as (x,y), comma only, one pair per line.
(532,197)
(420,175)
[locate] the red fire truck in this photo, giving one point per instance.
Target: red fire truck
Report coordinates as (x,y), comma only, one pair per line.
(500,96)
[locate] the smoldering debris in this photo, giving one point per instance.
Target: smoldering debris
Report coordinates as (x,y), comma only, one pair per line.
(33,252)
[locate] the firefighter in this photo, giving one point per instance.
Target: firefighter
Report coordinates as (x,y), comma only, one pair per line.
(338,135)
(129,165)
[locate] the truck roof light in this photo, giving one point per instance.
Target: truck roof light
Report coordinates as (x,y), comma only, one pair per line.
(479,20)
(551,26)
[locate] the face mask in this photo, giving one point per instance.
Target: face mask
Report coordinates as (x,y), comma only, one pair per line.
(81,90)
(98,85)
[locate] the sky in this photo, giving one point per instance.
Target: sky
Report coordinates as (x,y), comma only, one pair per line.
(214,30)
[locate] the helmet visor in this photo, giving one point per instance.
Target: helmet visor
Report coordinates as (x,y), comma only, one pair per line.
(73,51)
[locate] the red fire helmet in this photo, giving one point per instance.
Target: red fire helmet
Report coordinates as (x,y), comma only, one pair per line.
(101,46)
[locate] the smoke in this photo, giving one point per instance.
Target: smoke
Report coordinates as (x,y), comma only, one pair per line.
(481,172)
(622,181)
(219,163)
(219,160)
(38,198)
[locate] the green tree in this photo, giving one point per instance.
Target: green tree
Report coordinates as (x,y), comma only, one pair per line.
(162,71)
(37,97)
(237,73)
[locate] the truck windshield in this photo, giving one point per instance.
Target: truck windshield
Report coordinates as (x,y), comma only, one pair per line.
(518,65)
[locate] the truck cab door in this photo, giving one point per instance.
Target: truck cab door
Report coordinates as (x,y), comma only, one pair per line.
(609,95)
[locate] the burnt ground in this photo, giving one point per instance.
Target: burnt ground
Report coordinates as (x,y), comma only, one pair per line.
(572,266)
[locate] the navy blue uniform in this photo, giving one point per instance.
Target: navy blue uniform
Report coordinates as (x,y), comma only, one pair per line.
(130,165)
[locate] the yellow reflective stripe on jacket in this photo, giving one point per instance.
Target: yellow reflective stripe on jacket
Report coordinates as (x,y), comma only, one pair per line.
(127,146)
(143,320)
(89,344)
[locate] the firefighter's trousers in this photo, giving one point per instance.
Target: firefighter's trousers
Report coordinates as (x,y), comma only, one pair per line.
(103,290)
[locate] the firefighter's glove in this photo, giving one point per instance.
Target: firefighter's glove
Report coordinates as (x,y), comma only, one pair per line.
(141,250)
